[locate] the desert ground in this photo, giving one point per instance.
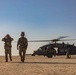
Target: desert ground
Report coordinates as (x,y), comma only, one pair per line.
(38,65)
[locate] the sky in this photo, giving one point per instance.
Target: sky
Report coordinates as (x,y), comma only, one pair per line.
(39,19)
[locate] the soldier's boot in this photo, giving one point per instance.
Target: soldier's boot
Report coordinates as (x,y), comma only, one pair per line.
(21,58)
(10,59)
(6,60)
(6,57)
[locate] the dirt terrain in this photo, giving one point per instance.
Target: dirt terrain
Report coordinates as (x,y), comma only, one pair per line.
(38,65)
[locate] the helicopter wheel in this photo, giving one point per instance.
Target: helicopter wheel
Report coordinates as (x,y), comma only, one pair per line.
(33,54)
(49,56)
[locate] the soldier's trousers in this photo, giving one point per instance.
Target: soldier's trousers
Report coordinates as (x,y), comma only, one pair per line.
(22,52)
(8,51)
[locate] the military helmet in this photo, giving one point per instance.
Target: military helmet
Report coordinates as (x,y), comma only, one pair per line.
(22,33)
(7,35)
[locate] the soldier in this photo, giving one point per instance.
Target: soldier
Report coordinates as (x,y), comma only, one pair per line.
(7,39)
(22,46)
(50,51)
(68,52)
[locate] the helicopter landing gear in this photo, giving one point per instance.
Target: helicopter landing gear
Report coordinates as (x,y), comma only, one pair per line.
(50,56)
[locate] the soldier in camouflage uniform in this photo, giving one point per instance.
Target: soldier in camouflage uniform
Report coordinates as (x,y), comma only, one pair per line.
(22,46)
(68,52)
(7,39)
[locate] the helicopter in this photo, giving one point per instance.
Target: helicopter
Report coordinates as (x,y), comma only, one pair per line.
(49,50)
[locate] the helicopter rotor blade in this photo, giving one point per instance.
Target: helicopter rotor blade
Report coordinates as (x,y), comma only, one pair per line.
(54,40)
(68,40)
(62,37)
(40,41)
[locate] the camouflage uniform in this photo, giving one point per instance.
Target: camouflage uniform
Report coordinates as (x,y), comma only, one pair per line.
(22,44)
(68,52)
(7,39)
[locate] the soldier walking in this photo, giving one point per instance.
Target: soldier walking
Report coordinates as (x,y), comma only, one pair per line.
(22,46)
(7,46)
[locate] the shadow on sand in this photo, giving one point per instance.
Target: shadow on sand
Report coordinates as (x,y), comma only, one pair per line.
(44,62)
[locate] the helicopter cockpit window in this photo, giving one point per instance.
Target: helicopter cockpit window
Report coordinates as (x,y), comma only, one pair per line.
(39,49)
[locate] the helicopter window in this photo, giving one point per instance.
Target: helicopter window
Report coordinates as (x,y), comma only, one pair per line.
(39,49)
(62,50)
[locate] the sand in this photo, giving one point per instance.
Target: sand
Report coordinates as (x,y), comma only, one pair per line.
(38,65)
